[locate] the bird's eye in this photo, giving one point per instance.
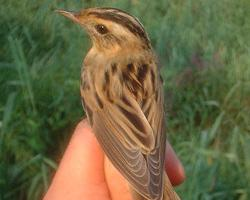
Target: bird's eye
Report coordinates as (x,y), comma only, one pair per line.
(101,29)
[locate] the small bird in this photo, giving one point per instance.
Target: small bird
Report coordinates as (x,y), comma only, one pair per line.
(122,94)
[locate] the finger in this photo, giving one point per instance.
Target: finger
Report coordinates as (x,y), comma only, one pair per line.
(117,184)
(80,174)
(173,166)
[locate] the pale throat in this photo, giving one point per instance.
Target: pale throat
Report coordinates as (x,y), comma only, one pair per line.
(98,55)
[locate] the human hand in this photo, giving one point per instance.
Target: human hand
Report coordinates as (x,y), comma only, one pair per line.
(86,173)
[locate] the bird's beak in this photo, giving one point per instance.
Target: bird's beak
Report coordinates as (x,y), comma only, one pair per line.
(74,16)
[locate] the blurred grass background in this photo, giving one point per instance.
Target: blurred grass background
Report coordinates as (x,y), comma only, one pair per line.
(204,50)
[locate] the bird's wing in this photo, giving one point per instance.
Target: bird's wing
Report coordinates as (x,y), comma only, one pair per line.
(133,138)
(154,112)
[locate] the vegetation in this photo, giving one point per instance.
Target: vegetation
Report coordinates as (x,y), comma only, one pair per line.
(204,50)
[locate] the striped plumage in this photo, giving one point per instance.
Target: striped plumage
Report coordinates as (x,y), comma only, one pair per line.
(122,95)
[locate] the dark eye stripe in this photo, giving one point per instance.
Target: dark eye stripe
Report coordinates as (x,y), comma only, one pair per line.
(124,21)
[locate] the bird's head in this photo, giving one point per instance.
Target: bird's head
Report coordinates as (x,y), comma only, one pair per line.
(110,28)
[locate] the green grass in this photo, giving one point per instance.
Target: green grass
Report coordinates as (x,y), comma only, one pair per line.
(204,49)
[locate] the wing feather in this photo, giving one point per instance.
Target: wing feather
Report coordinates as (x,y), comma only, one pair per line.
(132,135)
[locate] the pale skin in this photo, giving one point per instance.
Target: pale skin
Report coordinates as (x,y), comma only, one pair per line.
(86,173)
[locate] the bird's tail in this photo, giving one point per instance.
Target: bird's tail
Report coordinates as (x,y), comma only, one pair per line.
(168,194)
